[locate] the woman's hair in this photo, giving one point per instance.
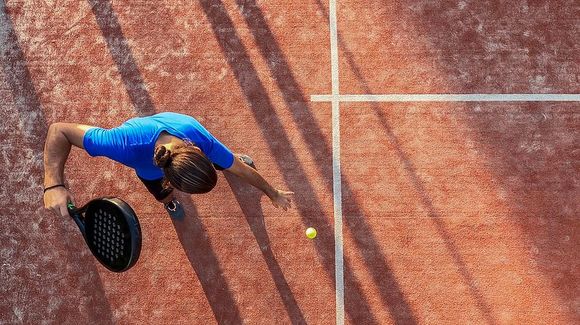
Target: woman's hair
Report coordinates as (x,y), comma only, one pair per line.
(186,168)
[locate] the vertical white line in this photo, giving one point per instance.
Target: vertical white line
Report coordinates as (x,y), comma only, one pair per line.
(337,190)
(334,48)
(336,174)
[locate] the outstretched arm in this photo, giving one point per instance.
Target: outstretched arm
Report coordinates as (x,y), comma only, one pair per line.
(280,199)
(60,138)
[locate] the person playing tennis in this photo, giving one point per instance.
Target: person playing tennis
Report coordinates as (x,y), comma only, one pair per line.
(167,151)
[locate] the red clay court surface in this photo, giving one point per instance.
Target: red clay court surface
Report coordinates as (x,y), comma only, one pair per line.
(452,212)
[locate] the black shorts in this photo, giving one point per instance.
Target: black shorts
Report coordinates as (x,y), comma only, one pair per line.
(157,188)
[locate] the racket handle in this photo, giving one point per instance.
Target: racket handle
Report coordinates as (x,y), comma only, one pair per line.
(74,213)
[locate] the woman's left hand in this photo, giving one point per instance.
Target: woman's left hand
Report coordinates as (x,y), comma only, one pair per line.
(282,199)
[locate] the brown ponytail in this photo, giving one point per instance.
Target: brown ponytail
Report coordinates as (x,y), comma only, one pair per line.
(186,169)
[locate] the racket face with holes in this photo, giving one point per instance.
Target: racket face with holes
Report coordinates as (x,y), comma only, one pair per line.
(112,233)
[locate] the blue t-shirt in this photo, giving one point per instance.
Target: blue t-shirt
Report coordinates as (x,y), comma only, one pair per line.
(133,143)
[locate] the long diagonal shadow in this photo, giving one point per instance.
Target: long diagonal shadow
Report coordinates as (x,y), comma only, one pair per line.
(393,298)
(191,233)
(29,109)
(419,188)
(260,103)
(194,239)
(249,202)
(427,202)
(123,57)
(542,182)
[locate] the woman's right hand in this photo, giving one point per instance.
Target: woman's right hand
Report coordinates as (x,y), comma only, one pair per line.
(56,199)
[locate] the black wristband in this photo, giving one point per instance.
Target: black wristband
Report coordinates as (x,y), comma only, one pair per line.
(53,186)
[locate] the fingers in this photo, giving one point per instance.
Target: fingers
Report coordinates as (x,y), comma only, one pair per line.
(283,200)
(70,199)
(284,204)
(57,201)
(55,208)
(288,203)
(278,206)
(64,211)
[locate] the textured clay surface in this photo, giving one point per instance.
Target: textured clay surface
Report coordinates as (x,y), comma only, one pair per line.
(453,213)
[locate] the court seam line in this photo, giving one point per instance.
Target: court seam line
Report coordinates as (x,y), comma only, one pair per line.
(448,98)
(336,173)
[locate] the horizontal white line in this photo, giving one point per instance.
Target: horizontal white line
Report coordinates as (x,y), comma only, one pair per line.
(449,98)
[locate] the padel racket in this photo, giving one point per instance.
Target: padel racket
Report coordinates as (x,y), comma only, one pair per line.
(112,232)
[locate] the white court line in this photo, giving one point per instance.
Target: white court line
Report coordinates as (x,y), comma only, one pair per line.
(448,98)
(336,174)
(335,98)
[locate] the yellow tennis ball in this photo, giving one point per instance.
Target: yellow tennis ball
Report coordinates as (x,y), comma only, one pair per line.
(311,233)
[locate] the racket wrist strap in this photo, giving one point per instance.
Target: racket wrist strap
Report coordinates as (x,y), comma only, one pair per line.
(53,186)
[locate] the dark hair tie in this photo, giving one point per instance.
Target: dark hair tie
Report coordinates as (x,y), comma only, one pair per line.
(163,157)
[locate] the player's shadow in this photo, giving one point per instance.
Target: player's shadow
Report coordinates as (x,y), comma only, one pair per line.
(123,56)
(195,241)
(527,145)
(249,201)
(356,306)
(71,267)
